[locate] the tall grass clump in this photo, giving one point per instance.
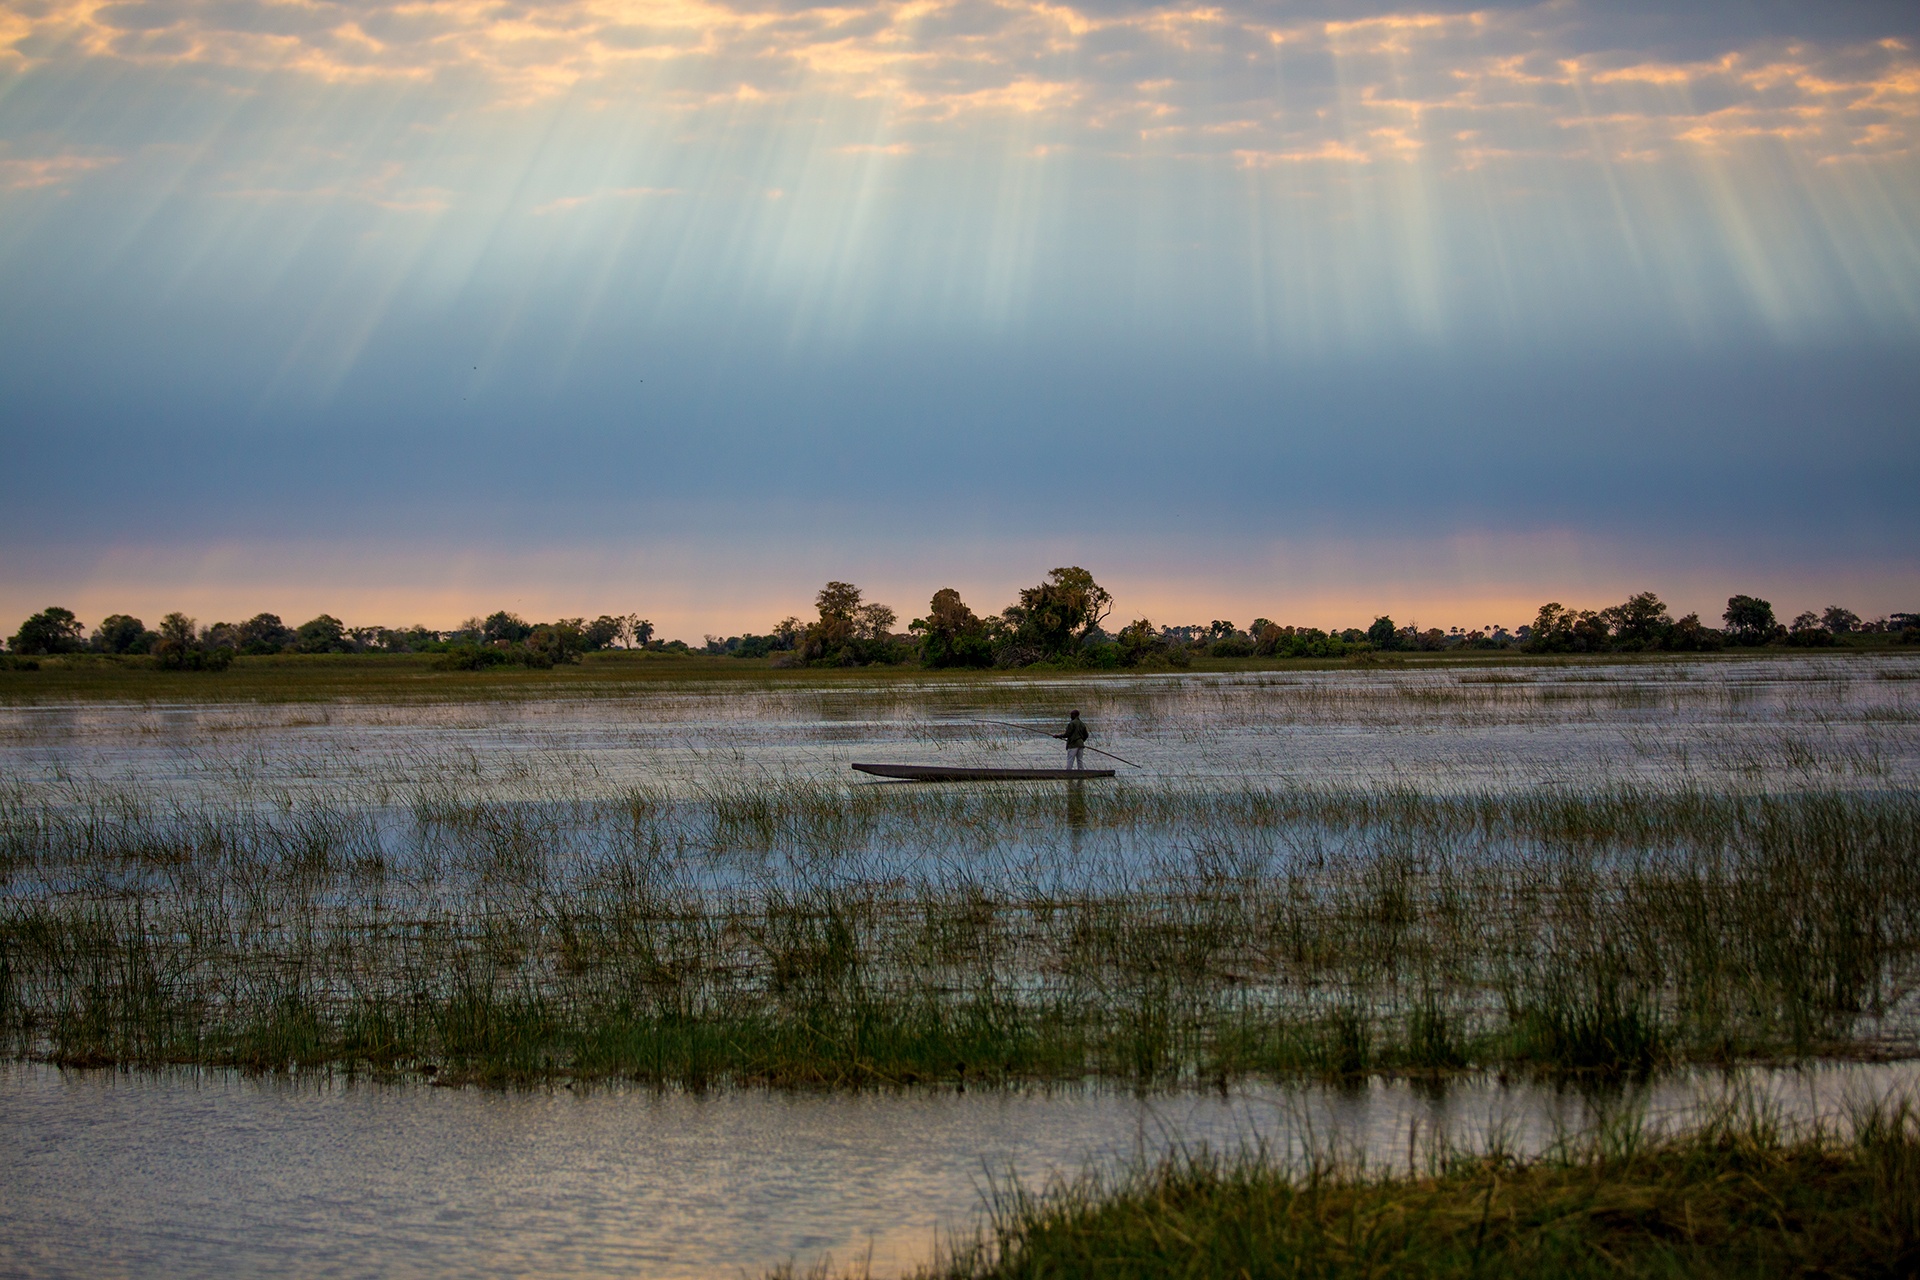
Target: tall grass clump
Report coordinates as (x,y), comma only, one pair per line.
(1737,1197)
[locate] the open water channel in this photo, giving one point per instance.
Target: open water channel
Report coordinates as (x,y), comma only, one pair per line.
(214,1174)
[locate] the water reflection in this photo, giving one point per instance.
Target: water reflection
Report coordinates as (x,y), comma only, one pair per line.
(215,1174)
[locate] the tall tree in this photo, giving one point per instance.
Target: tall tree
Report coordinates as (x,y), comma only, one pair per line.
(954,636)
(52,630)
(324,634)
(122,633)
(1641,622)
(1750,620)
(1062,611)
(264,633)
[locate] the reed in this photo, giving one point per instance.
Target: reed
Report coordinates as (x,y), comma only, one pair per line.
(791,931)
(1739,1195)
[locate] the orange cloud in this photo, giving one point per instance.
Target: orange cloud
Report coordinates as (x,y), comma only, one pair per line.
(1329,152)
(28,173)
(1219,72)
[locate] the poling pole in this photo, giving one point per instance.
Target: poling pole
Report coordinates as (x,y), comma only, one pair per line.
(1043,733)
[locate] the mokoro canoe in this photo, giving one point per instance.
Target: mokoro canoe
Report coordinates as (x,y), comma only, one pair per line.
(964,773)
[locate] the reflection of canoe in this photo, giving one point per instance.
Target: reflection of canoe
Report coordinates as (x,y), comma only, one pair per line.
(952,773)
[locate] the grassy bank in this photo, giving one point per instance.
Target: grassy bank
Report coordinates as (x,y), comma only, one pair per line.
(1736,1198)
(808,934)
(417,677)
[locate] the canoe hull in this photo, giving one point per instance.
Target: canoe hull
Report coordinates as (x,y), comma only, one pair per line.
(962,773)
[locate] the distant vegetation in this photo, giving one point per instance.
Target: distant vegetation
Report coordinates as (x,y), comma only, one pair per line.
(1058,622)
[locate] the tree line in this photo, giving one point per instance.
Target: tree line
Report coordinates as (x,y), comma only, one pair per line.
(1060,621)
(181,643)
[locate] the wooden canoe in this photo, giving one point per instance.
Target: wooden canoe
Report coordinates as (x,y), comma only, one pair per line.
(968,773)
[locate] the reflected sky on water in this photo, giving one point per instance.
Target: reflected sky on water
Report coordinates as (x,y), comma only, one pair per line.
(214,1173)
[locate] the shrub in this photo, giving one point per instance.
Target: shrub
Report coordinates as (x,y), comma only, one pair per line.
(471,657)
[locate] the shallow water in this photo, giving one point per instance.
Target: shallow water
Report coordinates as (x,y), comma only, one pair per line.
(212,1173)
(1843,722)
(219,1174)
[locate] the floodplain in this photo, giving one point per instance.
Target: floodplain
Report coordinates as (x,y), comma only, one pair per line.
(1539,876)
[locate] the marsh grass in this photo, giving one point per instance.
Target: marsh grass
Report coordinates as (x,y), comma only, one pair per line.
(1739,1195)
(796,932)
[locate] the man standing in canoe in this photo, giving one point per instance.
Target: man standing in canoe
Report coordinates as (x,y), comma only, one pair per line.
(1076,736)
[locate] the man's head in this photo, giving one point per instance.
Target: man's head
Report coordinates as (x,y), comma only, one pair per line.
(1073,715)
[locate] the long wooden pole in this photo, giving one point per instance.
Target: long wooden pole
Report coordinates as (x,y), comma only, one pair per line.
(1030,729)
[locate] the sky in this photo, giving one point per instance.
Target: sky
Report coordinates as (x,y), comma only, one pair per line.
(407,310)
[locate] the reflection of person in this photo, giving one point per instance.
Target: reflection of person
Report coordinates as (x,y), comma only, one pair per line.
(1076,736)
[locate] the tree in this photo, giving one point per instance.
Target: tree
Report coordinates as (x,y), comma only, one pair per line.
(1059,613)
(324,634)
(181,648)
(602,632)
(1383,635)
(850,631)
(505,628)
(52,630)
(1552,629)
(1689,636)
(1640,623)
(874,621)
(953,635)
(264,633)
(554,643)
(833,632)
(636,631)
(1750,620)
(837,601)
(1808,632)
(1142,644)
(123,633)
(1840,621)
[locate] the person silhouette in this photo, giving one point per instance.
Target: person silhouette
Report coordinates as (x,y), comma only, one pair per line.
(1076,739)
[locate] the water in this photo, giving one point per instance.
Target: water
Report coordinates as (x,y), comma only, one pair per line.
(212,1173)
(218,1174)
(1847,722)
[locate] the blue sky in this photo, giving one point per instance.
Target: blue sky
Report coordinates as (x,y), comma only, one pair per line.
(406,311)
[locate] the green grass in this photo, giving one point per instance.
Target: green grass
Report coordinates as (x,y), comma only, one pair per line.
(1737,1197)
(414,677)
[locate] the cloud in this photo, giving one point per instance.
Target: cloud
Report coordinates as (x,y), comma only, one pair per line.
(1329,152)
(28,173)
(566,204)
(383,189)
(1225,78)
